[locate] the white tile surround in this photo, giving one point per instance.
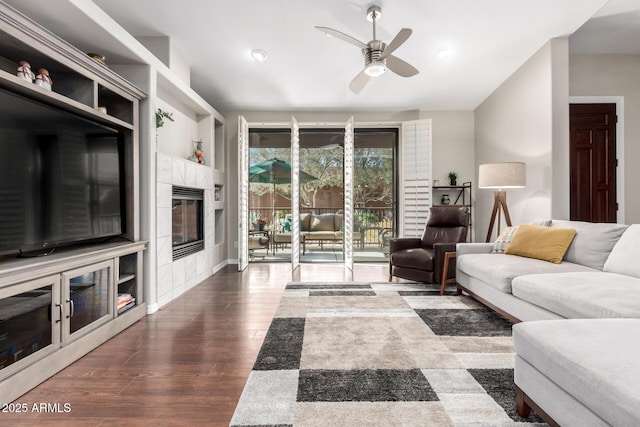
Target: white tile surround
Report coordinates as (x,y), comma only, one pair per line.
(175,277)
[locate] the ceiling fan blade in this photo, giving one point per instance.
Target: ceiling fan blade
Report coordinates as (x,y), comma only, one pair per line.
(401,67)
(342,36)
(397,41)
(359,82)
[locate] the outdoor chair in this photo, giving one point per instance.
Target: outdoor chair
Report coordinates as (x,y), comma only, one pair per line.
(422,259)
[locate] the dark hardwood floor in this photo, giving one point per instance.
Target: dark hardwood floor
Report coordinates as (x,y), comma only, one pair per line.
(184,365)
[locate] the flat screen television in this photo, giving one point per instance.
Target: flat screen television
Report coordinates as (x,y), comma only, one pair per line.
(61,177)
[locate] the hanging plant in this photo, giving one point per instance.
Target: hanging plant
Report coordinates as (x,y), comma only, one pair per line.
(160,116)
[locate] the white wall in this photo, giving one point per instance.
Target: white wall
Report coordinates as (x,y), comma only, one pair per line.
(166,51)
(453,139)
(452,150)
(526,120)
(615,75)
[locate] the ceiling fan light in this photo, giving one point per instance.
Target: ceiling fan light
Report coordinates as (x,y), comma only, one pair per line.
(375,69)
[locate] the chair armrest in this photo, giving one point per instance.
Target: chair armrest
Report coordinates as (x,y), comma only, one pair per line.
(473,248)
(402,243)
(439,249)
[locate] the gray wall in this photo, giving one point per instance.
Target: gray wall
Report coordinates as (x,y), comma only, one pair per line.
(615,75)
(526,120)
(453,145)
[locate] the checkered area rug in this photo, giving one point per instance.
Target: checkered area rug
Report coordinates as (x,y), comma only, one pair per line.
(381,354)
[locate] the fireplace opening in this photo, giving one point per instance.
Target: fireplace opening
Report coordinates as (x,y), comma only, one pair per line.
(187,219)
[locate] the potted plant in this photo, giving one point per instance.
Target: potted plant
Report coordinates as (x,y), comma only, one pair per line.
(453,178)
(261,223)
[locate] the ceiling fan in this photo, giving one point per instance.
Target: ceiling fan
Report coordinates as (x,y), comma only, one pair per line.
(377,55)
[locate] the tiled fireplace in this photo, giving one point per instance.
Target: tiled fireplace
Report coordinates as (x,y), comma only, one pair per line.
(187,223)
(175,276)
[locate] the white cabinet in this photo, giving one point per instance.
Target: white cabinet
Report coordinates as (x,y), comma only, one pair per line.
(87,299)
(55,310)
(30,318)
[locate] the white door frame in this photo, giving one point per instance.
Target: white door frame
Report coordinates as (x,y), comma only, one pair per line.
(347,184)
(243,193)
(295,194)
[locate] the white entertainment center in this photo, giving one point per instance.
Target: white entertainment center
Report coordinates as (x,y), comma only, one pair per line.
(132,275)
(56,308)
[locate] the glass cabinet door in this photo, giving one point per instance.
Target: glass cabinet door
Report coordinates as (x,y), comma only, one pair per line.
(87,299)
(29,323)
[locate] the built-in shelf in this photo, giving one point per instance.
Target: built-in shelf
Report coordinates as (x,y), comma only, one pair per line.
(219,226)
(218,145)
(125,278)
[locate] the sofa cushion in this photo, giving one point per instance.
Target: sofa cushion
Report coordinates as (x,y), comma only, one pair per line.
(581,295)
(413,258)
(497,270)
(305,221)
(322,222)
(623,258)
(322,235)
(337,222)
(595,361)
(593,241)
(544,243)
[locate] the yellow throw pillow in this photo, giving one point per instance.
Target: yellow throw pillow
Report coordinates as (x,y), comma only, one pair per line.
(544,243)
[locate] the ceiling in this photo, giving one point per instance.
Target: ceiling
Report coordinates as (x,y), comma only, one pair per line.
(487,41)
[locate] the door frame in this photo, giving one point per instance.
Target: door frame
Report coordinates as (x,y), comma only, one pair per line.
(619,101)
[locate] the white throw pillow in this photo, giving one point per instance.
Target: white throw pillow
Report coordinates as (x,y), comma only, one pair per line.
(503,240)
(623,258)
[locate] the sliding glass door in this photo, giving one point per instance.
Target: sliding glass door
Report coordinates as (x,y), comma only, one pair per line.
(336,203)
(375,195)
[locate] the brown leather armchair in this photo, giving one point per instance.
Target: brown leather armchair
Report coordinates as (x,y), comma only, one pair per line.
(421,259)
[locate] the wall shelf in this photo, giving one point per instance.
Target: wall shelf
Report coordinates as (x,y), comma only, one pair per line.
(459,195)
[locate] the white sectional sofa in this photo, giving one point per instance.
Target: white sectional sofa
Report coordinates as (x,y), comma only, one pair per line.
(578,344)
(579,372)
(593,280)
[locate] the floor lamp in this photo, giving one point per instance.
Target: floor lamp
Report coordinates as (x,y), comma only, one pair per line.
(501,176)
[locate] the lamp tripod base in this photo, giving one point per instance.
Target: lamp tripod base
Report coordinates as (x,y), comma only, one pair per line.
(499,202)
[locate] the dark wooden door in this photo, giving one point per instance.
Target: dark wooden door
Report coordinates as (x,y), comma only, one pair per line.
(593,162)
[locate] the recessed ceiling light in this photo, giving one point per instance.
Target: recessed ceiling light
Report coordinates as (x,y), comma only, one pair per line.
(259,55)
(444,53)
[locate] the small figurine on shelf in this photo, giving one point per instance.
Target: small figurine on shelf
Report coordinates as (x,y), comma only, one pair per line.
(198,152)
(25,72)
(44,79)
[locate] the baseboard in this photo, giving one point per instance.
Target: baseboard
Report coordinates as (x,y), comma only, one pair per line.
(220,266)
(152,308)
(232,261)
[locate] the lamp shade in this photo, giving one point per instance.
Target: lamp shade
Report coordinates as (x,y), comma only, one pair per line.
(502,175)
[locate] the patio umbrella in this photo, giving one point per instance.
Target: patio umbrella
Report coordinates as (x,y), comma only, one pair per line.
(275,171)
